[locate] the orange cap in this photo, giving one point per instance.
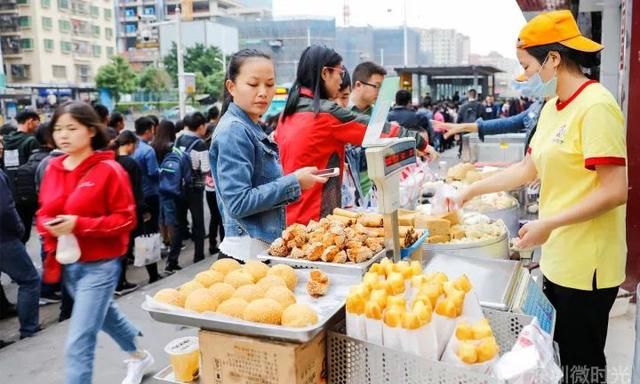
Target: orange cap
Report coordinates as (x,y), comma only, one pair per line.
(555,27)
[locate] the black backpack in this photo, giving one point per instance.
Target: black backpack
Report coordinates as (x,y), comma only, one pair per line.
(24,182)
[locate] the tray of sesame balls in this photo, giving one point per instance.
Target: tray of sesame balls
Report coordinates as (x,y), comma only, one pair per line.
(254,299)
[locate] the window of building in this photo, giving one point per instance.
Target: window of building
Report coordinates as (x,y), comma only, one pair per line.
(48,45)
(26,44)
(63,4)
(59,71)
(65,47)
(22,2)
(150,11)
(83,73)
(45,3)
(108,33)
(64,25)
(95,30)
(97,51)
(95,11)
(24,21)
(130,12)
(107,14)
(47,23)
(109,52)
(20,71)
(130,28)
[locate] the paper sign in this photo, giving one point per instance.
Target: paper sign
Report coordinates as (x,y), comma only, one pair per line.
(386,97)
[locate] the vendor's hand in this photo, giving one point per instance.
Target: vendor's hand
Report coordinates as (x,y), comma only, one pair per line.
(440,125)
(429,153)
(307,179)
(533,234)
(65,227)
(453,130)
(459,199)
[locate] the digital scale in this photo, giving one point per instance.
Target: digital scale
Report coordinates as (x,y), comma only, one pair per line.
(386,158)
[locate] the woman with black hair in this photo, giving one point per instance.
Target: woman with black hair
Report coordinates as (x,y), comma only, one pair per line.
(251,188)
(579,154)
(314,130)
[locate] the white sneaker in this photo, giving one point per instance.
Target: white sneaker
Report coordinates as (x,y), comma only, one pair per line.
(136,368)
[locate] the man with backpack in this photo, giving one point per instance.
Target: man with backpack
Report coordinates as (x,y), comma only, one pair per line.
(18,146)
(469,112)
(145,156)
(192,143)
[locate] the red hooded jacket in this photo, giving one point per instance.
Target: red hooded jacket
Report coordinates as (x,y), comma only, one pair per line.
(98,191)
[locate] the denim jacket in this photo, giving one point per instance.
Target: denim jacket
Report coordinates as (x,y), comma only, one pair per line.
(250,187)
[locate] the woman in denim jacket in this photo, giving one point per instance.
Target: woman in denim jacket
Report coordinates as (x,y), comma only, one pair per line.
(251,188)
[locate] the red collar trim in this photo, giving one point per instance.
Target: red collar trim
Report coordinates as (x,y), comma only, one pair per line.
(560,105)
(304,91)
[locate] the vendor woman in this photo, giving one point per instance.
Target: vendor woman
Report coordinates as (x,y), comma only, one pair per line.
(579,154)
(251,189)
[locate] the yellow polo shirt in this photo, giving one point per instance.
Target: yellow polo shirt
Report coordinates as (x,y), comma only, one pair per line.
(571,139)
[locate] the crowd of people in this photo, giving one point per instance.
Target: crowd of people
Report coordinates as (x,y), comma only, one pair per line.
(94,187)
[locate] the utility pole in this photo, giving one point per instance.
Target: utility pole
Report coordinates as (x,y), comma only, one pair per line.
(406,48)
(181,96)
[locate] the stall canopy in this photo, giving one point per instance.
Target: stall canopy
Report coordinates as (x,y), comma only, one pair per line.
(443,82)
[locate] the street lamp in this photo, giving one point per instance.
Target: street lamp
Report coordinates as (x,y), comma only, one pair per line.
(404,31)
(145,33)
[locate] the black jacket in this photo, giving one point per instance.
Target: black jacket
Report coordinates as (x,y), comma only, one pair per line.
(409,118)
(11,227)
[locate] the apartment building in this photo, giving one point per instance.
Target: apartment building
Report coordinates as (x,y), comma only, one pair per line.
(55,44)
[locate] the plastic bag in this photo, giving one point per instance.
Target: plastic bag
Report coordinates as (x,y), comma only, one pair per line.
(443,200)
(68,250)
(147,249)
(531,360)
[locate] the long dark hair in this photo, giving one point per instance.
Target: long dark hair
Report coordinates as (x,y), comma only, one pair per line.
(124,138)
(571,59)
(84,114)
(309,75)
(165,135)
(235,64)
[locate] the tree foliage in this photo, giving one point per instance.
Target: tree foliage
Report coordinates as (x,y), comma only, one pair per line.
(204,62)
(117,76)
(154,81)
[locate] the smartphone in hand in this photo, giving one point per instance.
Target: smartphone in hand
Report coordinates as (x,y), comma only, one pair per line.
(56,221)
(329,172)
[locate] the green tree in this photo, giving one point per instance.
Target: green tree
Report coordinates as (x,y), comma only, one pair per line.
(204,62)
(117,76)
(154,81)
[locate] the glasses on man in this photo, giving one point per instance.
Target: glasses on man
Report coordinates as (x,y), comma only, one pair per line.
(342,71)
(376,86)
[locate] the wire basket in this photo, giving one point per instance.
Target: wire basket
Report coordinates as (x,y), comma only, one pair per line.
(352,361)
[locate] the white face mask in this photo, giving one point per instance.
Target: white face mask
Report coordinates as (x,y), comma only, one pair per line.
(538,88)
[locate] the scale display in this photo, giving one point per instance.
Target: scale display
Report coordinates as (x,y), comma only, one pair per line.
(397,158)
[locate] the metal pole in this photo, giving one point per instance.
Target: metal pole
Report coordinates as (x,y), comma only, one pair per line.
(308,36)
(406,48)
(381,56)
(181,96)
(224,62)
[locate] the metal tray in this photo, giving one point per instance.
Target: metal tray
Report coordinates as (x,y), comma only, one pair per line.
(494,280)
(326,306)
(351,269)
(493,248)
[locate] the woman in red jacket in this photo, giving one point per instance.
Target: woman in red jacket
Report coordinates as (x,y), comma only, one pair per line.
(314,130)
(87,194)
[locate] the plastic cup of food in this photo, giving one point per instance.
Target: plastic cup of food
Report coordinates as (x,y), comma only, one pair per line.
(184,355)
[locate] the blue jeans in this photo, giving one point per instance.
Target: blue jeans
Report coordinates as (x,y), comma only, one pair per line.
(15,262)
(92,286)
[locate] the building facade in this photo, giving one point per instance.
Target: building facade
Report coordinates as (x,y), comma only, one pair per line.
(444,47)
(55,43)
(510,70)
(139,39)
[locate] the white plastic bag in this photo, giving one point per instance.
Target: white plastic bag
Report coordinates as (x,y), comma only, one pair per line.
(531,360)
(147,249)
(443,200)
(68,250)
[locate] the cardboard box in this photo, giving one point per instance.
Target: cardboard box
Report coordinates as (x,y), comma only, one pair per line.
(232,359)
